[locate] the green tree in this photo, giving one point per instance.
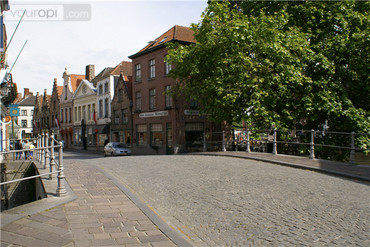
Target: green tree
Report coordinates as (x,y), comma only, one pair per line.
(278,63)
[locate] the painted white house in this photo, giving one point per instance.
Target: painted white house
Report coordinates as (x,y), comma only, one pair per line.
(84,106)
(25,118)
(105,83)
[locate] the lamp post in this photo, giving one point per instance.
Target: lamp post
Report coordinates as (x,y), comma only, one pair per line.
(3,92)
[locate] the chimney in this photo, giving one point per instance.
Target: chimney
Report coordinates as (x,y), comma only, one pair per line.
(90,72)
(26,93)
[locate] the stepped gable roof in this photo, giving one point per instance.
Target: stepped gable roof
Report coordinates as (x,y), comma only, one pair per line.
(60,90)
(124,66)
(75,81)
(40,99)
(175,34)
(102,75)
(29,101)
(128,84)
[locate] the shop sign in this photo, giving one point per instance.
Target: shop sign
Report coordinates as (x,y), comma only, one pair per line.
(192,112)
(153,114)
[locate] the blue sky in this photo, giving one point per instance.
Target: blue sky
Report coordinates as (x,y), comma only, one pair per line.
(116,30)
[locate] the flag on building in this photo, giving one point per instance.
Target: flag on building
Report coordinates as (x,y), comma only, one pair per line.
(94,116)
(57,122)
(35,123)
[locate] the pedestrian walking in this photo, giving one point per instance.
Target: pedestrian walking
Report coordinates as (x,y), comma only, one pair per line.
(18,146)
(106,142)
(26,147)
(32,147)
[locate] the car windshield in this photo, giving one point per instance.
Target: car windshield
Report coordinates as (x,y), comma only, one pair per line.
(119,145)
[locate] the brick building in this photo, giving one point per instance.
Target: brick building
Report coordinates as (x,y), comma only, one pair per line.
(54,114)
(121,126)
(163,124)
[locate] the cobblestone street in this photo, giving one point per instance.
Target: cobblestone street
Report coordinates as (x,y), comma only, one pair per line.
(224,201)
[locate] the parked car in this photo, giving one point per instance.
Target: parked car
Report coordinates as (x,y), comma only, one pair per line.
(116,148)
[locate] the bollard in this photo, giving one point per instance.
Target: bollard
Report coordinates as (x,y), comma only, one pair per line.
(52,157)
(274,148)
(223,141)
(352,155)
(42,156)
(47,152)
(248,148)
(61,190)
(312,145)
(38,150)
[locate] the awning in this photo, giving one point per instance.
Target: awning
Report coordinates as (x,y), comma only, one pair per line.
(106,129)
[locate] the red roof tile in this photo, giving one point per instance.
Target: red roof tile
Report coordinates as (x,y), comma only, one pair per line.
(76,80)
(124,66)
(176,33)
(60,90)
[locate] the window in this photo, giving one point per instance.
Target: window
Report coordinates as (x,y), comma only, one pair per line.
(24,113)
(151,69)
(106,87)
(137,72)
(70,114)
(152,99)
(106,108)
(124,116)
(65,92)
(61,115)
(89,112)
(138,101)
(24,123)
(156,135)
(79,113)
(167,68)
(84,112)
(116,117)
(168,97)
(75,114)
(100,89)
(141,135)
(100,108)
(193,104)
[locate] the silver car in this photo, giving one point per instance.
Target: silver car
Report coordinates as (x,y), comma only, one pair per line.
(116,148)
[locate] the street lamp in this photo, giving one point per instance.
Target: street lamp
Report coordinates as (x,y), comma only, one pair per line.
(4,91)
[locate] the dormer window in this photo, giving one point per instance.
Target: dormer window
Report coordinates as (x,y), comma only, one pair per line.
(163,40)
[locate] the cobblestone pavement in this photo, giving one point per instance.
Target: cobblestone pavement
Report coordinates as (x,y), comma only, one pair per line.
(102,215)
(225,201)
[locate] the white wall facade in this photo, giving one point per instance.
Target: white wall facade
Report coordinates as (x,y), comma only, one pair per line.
(25,120)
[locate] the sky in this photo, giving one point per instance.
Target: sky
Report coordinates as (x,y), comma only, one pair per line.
(107,35)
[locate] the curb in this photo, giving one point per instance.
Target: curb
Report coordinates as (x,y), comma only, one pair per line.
(171,233)
(294,165)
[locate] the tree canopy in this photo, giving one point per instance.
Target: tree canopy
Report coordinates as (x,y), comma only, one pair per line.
(283,63)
